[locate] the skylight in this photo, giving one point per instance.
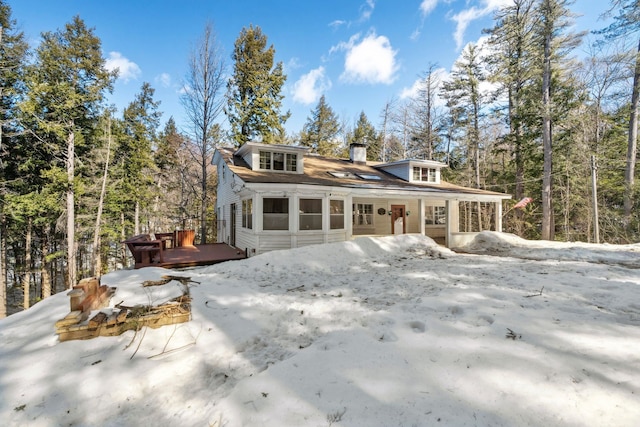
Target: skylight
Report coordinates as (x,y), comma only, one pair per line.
(338,174)
(368,177)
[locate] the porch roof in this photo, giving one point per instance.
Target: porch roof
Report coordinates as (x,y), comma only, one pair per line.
(317,172)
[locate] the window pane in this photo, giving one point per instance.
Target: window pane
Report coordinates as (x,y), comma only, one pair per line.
(275,214)
(363,214)
(247,213)
(337,214)
(292,164)
(311,206)
(278,161)
(265,160)
(432,175)
(310,214)
(310,222)
(416,174)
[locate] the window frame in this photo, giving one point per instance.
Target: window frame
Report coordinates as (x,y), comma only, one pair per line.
(303,216)
(247,214)
(278,161)
(435,216)
(265,214)
(360,218)
(335,214)
(425,174)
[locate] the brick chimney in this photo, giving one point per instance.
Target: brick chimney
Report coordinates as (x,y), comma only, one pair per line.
(358,153)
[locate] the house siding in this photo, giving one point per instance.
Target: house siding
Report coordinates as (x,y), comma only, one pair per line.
(382,223)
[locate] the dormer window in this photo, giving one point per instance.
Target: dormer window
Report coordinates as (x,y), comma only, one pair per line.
(277,161)
(424,174)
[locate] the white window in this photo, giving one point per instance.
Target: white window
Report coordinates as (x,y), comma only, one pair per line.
(424,174)
(247,213)
(435,215)
(336,217)
(310,214)
(275,213)
(278,161)
(265,160)
(362,214)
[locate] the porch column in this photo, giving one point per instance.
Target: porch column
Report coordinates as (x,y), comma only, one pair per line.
(348,216)
(498,218)
(421,217)
(453,220)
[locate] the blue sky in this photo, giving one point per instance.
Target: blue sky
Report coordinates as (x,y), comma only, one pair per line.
(358,53)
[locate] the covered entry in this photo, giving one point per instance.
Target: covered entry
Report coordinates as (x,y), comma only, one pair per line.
(398,223)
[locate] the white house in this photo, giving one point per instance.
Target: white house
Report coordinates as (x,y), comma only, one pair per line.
(280,197)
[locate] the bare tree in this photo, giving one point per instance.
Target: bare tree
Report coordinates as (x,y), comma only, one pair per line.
(202,100)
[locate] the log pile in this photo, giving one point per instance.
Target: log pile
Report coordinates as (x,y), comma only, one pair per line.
(89,296)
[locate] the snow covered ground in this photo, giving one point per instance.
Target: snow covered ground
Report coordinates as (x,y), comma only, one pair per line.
(392,331)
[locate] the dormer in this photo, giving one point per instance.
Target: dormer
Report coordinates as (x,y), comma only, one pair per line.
(272,157)
(414,170)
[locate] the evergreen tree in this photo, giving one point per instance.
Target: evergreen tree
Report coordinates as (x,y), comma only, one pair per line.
(321,130)
(465,100)
(13,50)
(66,87)
(511,63)
(134,154)
(554,20)
(626,24)
(253,92)
(365,133)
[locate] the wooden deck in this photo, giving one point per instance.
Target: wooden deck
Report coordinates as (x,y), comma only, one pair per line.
(198,255)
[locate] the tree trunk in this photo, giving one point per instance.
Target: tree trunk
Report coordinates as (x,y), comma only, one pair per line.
(629,173)
(136,220)
(547,232)
(3,266)
(203,206)
(3,248)
(123,237)
(44,267)
(71,237)
(26,280)
(96,266)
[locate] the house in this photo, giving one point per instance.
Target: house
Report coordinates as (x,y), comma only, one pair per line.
(279,197)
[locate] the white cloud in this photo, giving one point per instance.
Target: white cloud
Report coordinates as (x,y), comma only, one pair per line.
(127,70)
(427,6)
(466,16)
(366,10)
(310,86)
(163,79)
(411,92)
(439,75)
(371,60)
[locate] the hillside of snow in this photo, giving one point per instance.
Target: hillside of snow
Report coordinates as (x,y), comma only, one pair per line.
(392,331)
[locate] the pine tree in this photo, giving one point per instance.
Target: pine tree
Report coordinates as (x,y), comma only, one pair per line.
(365,133)
(626,24)
(66,87)
(253,92)
(13,50)
(465,101)
(511,64)
(554,19)
(134,154)
(320,132)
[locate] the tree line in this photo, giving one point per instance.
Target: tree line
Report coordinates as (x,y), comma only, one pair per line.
(522,111)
